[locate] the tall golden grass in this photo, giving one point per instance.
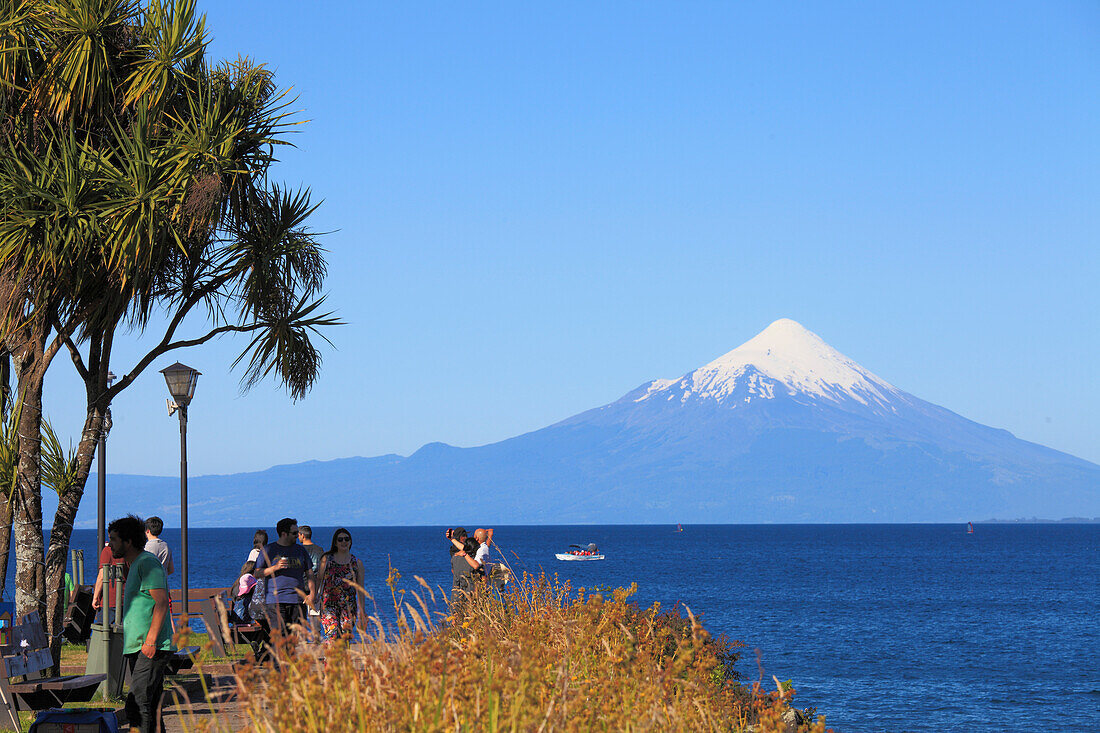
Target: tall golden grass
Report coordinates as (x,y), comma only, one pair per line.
(542,657)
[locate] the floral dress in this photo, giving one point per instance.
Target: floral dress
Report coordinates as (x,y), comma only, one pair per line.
(338,602)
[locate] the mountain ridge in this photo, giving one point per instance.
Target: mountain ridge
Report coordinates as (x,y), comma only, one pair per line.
(781,428)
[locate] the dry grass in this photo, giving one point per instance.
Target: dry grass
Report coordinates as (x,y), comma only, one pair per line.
(544,657)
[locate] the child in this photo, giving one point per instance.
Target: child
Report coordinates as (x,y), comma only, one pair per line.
(242,596)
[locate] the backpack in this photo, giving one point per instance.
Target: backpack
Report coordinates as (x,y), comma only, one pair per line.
(85,720)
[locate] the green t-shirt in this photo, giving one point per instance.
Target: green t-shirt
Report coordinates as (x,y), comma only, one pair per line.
(145,574)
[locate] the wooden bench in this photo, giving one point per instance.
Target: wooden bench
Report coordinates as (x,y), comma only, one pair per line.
(25,682)
(225,633)
(213,606)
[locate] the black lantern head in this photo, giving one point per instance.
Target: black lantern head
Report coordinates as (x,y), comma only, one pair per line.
(181,381)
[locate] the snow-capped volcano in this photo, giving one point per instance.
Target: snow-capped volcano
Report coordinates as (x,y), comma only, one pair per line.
(784,358)
(784,428)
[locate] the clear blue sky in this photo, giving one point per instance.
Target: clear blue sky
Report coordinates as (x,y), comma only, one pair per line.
(536,209)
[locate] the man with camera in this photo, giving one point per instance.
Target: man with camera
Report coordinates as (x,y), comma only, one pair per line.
(497,574)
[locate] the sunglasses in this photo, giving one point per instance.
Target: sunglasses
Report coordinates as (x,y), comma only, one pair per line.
(343,539)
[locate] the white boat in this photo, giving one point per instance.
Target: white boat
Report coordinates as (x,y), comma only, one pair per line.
(580,553)
(571,556)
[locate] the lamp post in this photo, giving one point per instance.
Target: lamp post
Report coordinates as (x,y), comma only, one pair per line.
(101,477)
(181,381)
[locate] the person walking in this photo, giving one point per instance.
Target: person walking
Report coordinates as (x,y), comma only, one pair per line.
(287,568)
(107,559)
(146,628)
(305,536)
(156,546)
(341,576)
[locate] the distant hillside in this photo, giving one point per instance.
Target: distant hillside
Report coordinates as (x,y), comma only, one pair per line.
(782,429)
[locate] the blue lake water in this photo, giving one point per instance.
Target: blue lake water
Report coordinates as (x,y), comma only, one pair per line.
(882,627)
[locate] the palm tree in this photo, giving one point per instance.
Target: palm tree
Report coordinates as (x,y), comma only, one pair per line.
(135,180)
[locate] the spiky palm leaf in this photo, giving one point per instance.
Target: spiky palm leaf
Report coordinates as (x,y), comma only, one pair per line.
(81,78)
(9,451)
(171,36)
(59,466)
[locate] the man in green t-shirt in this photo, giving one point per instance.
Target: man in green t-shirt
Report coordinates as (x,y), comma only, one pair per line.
(146,626)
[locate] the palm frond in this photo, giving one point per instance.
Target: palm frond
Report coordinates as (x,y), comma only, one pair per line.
(283,348)
(59,466)
(81,77)
(9,450)
(172,36)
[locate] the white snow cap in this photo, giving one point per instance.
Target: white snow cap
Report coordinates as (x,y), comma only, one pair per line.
(785,355)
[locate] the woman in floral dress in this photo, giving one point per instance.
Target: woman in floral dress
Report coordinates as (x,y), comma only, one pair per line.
(341,574)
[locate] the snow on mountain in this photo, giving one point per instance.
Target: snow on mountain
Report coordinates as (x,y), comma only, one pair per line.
(787,377)
(784,358)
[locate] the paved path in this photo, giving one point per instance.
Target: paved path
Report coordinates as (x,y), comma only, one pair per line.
(187,708)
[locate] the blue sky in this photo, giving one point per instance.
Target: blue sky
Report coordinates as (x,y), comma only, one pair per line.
(536,209)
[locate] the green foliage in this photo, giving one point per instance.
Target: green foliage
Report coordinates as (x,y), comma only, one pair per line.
(135,179)
(9,452)
(59,466)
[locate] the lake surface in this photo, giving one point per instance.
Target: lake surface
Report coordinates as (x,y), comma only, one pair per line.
(882,627)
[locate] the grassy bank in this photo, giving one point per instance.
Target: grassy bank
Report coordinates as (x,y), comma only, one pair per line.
(545,657)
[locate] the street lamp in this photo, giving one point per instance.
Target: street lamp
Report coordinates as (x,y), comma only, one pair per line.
(101,478)
(181,381)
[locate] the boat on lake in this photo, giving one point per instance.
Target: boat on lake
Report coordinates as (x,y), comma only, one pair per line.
(970,528)
(576,552)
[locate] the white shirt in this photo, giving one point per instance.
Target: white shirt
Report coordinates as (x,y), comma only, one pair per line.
(482,555)
(159,547)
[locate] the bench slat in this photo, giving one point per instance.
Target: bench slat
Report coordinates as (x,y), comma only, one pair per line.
(30,628)
(73,682)
(195,594)
(25,687)
(33,662)
(65,682)
(199,592)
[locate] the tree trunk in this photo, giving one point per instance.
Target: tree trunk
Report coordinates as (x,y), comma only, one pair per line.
(5,536)
(30,555)
(67,506)
(5,488)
